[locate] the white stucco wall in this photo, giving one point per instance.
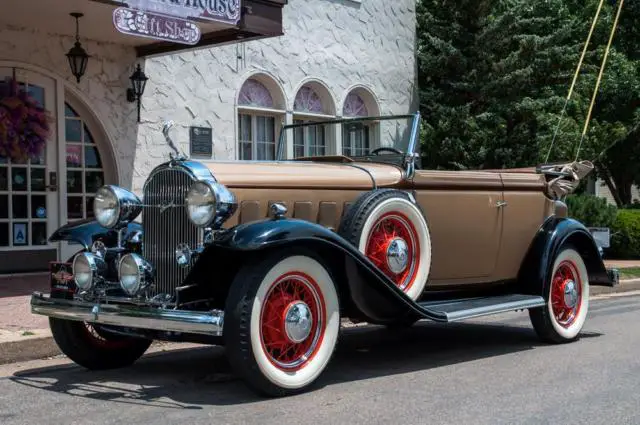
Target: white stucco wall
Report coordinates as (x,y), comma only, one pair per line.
(342,43)
(339,42)
(102,89)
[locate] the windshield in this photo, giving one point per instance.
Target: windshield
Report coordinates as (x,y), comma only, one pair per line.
(380,138)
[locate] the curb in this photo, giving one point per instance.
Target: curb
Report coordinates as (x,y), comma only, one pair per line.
(20,349)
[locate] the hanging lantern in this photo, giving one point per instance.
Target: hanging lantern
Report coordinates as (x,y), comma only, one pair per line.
(77,56)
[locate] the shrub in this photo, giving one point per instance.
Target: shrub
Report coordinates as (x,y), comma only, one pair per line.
(625,235)
(592,211)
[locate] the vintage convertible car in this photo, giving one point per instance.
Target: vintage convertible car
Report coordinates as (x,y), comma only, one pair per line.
(267,258)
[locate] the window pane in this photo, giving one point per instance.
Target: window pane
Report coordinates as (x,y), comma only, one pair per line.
(87,136)
(245,127)
(73,130)
(74,181)
(20,208)
(91,157)
(4,234)
(4,184)
(20,234)
(74,156)
(94,181)
(3,160)
(74,207)
(40,159)
(19,179)
(37,180)
(4,206)
(38,206)
(245,151)
(39,234)
(89,207)
(68,112)
(38,94)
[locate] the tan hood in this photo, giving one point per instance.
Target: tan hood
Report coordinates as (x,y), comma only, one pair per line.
(302,175)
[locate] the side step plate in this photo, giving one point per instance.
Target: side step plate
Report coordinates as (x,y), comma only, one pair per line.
(467,308)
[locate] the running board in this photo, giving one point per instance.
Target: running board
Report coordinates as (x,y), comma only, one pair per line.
(467,308)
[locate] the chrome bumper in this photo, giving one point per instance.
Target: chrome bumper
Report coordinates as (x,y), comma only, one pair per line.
(196,322)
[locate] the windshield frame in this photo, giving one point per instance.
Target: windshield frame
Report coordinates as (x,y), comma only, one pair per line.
(409,155)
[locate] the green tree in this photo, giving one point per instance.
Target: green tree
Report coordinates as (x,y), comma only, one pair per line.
(494,75)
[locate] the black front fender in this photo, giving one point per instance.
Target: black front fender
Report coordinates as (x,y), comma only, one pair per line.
(86,232)
(555,234)
(372,292)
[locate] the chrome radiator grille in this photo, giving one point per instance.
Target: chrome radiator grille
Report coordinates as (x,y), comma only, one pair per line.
(165,224)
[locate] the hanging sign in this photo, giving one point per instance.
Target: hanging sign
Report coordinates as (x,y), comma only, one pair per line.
(226,11)
(156,26)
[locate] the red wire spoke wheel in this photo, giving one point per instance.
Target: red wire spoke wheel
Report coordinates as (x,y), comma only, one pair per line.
(393,246)
(282,320)
(293,316)
(567,295)
(391,230)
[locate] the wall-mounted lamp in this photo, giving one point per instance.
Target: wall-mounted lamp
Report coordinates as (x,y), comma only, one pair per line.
(138,83)
(77,56)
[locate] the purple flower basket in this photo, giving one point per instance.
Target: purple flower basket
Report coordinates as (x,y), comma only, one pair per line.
(24,124)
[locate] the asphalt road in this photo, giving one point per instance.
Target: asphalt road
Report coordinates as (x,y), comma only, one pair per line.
(491,371)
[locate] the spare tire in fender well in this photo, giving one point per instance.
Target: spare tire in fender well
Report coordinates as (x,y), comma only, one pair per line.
(364,290)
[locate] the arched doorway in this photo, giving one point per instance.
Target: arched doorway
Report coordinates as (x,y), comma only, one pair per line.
(40,194)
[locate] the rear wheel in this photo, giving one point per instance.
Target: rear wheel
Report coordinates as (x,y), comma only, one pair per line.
(567,295)
(282,321)
(93,348)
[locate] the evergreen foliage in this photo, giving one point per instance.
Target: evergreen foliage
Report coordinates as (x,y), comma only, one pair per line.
(494,76)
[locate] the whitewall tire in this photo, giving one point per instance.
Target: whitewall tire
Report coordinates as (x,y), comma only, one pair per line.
(567,295)
(282,322)
(393,233)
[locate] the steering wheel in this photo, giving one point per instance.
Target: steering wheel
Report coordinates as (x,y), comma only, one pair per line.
(394,150)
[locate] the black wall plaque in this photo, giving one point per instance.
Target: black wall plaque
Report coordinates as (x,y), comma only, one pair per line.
(201,141)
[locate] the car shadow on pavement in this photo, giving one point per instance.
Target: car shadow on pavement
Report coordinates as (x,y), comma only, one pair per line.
(199,377)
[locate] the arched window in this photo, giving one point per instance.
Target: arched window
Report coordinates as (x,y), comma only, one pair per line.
(356,136)
(312,103)
(85,173)
(258,123)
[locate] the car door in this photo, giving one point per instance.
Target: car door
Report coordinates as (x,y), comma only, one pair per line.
(464,213)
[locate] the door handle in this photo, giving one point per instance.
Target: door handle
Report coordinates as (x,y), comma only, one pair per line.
(501,204)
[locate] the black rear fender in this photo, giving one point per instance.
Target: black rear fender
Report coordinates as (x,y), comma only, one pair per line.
(554,235)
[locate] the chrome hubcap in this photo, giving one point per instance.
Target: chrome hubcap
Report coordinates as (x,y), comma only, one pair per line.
(397,255)
(298,321)
(570,294)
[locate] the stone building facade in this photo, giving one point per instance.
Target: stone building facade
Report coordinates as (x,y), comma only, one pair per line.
(334,58)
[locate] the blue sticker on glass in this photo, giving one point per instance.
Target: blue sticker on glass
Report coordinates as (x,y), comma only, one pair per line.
(41,212)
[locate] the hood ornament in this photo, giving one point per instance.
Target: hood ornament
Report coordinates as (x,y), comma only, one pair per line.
(179,156)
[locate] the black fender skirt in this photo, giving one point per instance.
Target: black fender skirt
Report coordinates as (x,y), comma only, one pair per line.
(86,232)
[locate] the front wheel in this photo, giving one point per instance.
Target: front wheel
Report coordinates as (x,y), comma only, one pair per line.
(567,296)
(282,321)
(93,348)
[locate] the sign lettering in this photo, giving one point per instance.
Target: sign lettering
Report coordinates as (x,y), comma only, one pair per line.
(226,11)
(154,25)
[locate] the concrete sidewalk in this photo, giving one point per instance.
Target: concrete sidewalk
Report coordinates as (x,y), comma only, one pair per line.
(26,336)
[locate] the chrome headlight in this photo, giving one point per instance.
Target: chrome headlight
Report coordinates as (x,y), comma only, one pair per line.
(86,270)
(135,274)
(209,202)
(113,206)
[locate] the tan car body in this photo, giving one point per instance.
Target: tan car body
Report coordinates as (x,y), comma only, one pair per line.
(481,222)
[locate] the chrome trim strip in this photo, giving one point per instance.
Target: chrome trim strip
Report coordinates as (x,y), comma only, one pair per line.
(196,322)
